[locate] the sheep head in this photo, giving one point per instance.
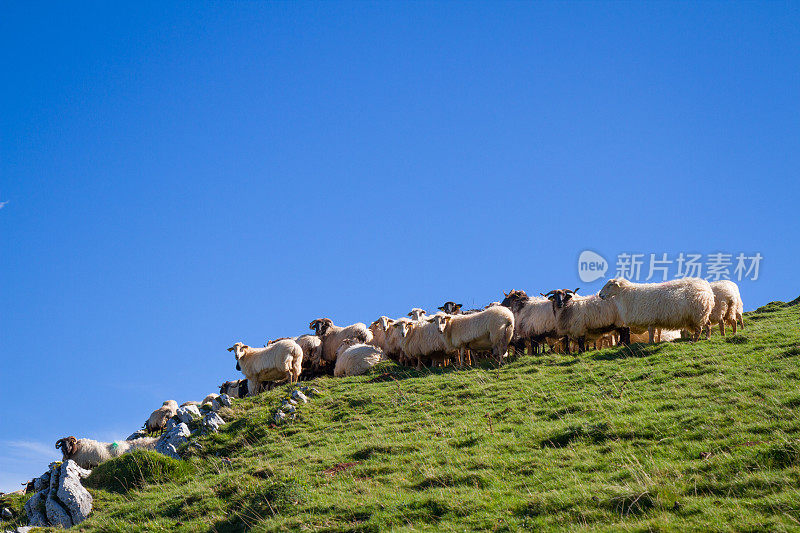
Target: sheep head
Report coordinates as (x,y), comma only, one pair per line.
(416,313)
(68,445)
(402,327)
(451,308)
(514,299)
(441,321)
(238,352)
(560,297)
(381,323)
(320,326)
(612,287)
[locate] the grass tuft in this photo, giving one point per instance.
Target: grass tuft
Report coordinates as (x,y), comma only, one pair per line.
(136,469)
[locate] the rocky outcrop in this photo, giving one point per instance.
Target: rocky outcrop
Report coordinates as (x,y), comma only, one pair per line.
(171,440)
(61,500)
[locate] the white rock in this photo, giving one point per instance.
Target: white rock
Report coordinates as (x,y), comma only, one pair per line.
(42,482)
(57,514)
(212,422)
(225,400)
(34,509)
(299,396)
(6,514)
(188,413)
(170,441)
(137,434)
(280,417)
(73,497)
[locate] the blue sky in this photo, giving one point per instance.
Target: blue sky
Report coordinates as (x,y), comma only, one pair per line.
(183,176)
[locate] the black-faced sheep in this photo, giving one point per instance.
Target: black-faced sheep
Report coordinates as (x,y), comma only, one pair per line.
(88,453)
(234,389)
(332,336)
(534,320)
(583,319)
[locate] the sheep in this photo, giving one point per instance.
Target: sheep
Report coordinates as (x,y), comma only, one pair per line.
(678,304)
(422,340)
(393,345)
(211,397)
(355,358)
(332,336)
(534,320)
(583,318)
(728,306)
(451,308)
(378,330)
(416,313)
(312,350)
(158,418)
(234,389)
(88,453)
(491,329)
(279,360)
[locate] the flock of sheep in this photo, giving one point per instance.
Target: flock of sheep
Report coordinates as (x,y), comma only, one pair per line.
(621,313)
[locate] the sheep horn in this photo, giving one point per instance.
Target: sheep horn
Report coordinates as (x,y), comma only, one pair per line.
(548,294)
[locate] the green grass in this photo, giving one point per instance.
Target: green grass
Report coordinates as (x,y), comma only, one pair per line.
(136,469)
(670,437)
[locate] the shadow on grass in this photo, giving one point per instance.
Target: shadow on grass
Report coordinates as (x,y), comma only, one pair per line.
(594,433)
(632,351)
(737,339)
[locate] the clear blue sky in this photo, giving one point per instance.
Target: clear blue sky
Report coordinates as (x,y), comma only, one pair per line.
(183,176)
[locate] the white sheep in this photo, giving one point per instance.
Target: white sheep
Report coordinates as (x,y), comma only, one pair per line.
(211,397)
(158,418)
(393,343)
(583,318)
(282,360)
(491,329)
(678,304)
(534,320)
(728,306)
(422,341)
(333,336)
(378,330)
(416,313)
(88,453)
(355,358)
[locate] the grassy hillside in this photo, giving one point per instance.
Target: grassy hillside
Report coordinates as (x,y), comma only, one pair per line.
(674,437)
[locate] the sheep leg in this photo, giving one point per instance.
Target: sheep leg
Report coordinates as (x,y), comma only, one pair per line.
(624,336)
(722,327)
(733,325)
(419,363)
